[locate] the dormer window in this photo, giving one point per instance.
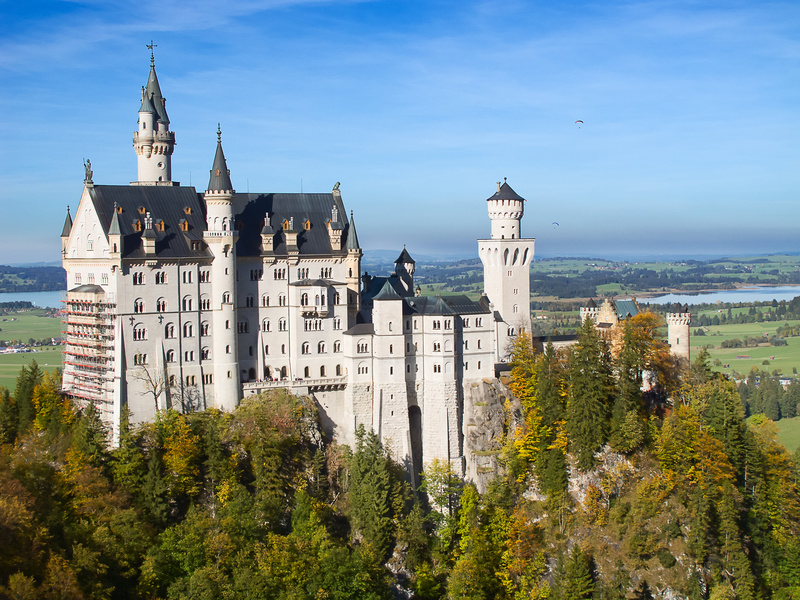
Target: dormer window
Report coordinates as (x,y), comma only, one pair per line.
(184,224)
(137,225)
(187,210)
(285,225)
(306,224)
(142,210)
(160,225)
(119,210)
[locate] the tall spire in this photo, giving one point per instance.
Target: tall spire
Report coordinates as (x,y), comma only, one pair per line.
(153,141)
(352,237)
(220,180)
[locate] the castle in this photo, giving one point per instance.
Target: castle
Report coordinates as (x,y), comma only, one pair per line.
(190,300)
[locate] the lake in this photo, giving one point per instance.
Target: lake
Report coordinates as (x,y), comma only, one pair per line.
(40,299)
(755,294)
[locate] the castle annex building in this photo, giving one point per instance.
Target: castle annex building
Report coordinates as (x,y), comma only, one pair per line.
(185,299)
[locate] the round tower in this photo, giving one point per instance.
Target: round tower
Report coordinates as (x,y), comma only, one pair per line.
(506,259)
(221,237)
(505,211)
(153,141)
(678,320)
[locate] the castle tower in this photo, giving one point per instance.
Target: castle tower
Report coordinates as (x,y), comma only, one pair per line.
(404,269)
(678,320)
(153,141)
(506,259)
(221,237)
(353,264)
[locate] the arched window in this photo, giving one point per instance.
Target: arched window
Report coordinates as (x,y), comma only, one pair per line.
(306,372)
(338,370)
(205,353)
(205,303)
(306,348)
(282,325)
(139,332)
(226,298)
(161,305)
(188,330)
(204,328)
(138,306)
(264,300)
(170,356)
(322,371)
(169,331)
(265,325)
(304,299)
(187,302)
(337,346)
(321,348)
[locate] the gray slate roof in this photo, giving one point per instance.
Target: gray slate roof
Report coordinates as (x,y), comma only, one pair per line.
(505,193)
(165,203)
(220,180)
(352,237)
(281,207)
(626,308)
(404,257)
(67,225)
(153,91)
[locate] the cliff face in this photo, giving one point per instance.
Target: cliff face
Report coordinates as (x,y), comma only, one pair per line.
(486,404)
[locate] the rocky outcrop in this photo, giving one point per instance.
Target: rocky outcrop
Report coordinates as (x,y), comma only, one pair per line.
(488,406)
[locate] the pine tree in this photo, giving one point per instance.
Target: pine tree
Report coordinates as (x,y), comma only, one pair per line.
(590,393)
(370,491)
(627,411)
(29,377)
(9,417)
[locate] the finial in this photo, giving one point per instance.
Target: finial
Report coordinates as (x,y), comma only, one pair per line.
(505,179)
(219,134)
(67,208)
(151,45)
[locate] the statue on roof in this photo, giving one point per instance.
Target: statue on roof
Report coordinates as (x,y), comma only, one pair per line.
(87,165)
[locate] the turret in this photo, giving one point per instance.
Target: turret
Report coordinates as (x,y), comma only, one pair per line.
(65,233)
(404,269)
(505,211)
(153,141)
(115,237)
(678,320)
(221,236)
(353,264)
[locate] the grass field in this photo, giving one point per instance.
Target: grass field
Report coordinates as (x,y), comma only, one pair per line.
(48,357)
(789,433)
(29,324)
(785,358)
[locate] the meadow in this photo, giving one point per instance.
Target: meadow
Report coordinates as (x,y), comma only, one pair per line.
(21,326)
(789,433)
(784,358)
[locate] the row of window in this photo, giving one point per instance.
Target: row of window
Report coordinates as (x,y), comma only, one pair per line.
(321,348)
(160,277)
(90,279)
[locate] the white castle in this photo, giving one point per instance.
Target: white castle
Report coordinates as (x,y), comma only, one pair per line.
(190,300)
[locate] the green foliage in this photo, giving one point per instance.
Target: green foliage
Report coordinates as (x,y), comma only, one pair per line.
(590,394)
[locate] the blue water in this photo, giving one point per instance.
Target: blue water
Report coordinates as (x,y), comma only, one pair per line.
(40,299)
(756,294)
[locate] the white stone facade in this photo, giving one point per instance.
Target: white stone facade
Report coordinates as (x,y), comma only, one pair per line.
(193,300)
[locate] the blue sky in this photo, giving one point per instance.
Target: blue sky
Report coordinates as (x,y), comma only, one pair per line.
(689,142)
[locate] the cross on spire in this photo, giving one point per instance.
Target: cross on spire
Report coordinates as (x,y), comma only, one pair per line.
(151,45)
(219,133)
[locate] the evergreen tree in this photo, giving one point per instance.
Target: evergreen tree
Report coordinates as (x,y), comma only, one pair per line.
(575,576)
(29,377)
(590,392)
(627,410)
(9,417)
(370,491)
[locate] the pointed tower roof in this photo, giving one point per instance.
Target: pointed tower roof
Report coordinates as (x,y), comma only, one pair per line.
(404,257)
(352,237)
(147,104)
(387,292)
(504,192)
(67,225)
(220,180)
(113,229)
(153,92)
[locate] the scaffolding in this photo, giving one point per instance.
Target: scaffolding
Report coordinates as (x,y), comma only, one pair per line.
(88,330)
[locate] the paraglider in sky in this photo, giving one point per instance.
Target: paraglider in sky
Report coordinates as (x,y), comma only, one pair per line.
(579,123)
(555,224)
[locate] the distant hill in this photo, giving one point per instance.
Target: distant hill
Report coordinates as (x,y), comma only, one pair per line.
(17,279)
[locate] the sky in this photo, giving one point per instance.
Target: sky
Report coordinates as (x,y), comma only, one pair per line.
(689,141)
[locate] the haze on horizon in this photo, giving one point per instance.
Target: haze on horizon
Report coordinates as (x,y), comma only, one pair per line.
(688,143)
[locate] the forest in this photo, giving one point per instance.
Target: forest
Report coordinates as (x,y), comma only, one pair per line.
(32,279)
(604,491)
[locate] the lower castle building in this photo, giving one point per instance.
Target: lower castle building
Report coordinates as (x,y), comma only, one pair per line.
(190,300)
